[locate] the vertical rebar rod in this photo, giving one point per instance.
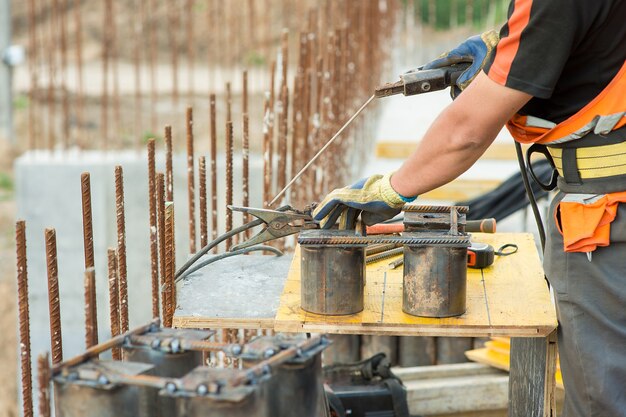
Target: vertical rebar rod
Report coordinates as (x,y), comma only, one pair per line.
(154,244)
(43,379)
(191,189)
(267,151)
(160,190)
(245,150)
(85,185)
(204,230)
(121,247)
(56,340)
(169,265)
(33,63)
(80,101)
(152,57)
(213,170)
(169,170)
(24,318)
(114,297)
(91,309)
(229,180)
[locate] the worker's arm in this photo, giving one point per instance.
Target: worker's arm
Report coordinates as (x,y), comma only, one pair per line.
(459,136)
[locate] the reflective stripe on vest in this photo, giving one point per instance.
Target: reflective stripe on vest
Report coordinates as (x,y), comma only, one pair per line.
(606,112)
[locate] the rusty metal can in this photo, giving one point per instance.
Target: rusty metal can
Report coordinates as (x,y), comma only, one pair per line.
(332,278)
(435,280)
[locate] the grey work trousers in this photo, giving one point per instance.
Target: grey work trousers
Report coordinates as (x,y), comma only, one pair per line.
(591,309)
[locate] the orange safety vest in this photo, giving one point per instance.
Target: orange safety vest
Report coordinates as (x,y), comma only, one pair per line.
(585,226)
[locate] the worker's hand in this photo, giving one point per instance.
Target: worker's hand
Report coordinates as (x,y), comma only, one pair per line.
(372,197)
(475,50)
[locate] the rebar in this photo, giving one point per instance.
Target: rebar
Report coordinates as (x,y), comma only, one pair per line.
(267,152)
(378,248)
(204,230)
(91,309)
(384,255)
(114,296)
(24,318)
(229,180)
(121,247)
(85,182)
(170,267)
(154,244)
(160,190)
(213,169)
(43,379)
(56,340)
(400,240)
(169,166)
(191,189)
(246,171)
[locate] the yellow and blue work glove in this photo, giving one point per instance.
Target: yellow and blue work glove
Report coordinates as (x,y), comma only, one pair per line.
(373,198)
(476,50)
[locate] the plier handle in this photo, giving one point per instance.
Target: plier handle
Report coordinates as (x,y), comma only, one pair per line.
(276,224)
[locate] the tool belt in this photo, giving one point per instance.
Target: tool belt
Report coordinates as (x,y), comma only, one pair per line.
(595,164)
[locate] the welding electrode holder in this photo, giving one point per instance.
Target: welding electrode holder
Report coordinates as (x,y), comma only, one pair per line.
(422,81)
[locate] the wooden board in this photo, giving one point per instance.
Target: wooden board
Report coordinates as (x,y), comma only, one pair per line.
(509,298)
(403,149)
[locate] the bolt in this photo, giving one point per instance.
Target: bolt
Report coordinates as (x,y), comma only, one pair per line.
(202,389)
(425,86)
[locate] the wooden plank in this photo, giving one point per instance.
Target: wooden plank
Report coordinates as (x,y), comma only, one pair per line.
(532,384)
(403,149)
(510,298)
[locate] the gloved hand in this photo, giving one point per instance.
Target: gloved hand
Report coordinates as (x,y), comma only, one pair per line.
(372,197)
(475,50)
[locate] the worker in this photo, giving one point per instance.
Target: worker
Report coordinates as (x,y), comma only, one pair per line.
(556,76)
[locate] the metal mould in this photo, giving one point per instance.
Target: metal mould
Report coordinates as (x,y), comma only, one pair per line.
(87,390)
(333,272)
(435,273)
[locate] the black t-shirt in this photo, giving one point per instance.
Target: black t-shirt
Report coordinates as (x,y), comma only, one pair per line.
(562,52)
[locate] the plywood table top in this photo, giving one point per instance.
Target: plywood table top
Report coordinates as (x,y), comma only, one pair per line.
(509,298)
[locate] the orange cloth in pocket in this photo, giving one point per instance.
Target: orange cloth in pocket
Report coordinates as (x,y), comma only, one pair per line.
(586,226)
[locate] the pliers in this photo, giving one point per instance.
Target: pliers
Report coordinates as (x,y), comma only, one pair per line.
(276,223)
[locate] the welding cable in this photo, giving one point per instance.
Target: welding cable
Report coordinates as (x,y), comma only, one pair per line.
(220,239)
(531,195)
(228,255)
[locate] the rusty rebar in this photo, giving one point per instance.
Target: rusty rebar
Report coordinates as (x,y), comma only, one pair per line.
(169,170)
(114,297)
(43,379)
(91,309)
(121,247)
(85,185)
(170,267)
(56,340)
(154,244)
(204,230)
(191,187)
(80,102)
(229,180)
(267,151)
(160,190)
(245,150)
(213,169)
(24,318)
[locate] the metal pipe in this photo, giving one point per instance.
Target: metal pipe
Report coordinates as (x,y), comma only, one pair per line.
(24,318)
(56,340)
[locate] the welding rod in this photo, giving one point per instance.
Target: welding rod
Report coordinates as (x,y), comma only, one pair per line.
(56,340)
(330,142)
(24,317)
(93,351)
